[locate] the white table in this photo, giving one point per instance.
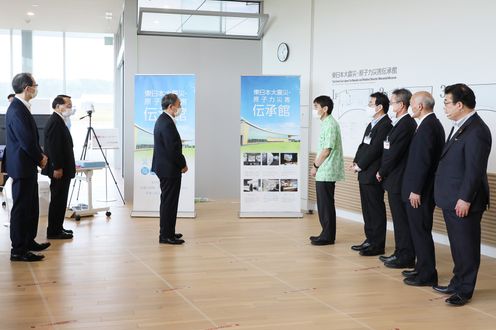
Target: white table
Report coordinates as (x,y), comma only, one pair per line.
(86,212)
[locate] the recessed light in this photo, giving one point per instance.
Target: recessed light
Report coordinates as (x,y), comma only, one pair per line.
(30,13)
(156,22)
(35,5)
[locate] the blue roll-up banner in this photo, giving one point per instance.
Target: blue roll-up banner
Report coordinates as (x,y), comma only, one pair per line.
(149,90)
(270,146)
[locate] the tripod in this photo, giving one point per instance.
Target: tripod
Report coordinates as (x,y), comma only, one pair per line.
(83,156)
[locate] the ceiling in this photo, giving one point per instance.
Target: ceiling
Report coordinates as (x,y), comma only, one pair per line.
(61,15)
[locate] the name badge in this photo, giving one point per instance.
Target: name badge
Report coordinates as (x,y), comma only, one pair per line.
(367,140)
(386,145)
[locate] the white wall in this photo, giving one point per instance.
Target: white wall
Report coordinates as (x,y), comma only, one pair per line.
(291,22)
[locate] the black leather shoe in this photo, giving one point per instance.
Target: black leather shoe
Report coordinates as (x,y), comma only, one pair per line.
(399,264)
(370,251)
(28,256)
(456,300)
(387,258)
(172,241)
(409,273)
(314,238)
(68,231)
(61,235)
(415,281)
(360,247)
(178,235)
(443,289)
(39,247)
(322,242)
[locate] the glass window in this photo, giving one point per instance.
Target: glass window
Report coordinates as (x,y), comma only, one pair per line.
(48,68)
(208,5)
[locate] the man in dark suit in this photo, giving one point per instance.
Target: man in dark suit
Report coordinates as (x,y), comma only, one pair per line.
(61,167)
(22,156)
(366,163)
(461,189)
(418,188)
(391,174)
(168,163)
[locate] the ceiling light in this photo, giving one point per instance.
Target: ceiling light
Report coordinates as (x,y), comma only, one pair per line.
(35,5)
(30,13)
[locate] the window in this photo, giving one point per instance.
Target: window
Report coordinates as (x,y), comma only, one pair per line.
(221,19)
(5,74)
(48,68)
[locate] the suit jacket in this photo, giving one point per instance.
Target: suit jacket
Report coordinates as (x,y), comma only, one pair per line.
(58,148)
(423,158)
(368,156)
(168,159)
(23,152)
(462,169)
(394,159)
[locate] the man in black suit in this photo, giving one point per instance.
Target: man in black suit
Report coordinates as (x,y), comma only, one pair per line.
(391,174)
(366,163)
(22,156)
(461,189)
(418,188)
(61,167)
(168,163)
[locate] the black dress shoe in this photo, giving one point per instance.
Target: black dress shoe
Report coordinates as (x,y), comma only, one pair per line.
(28,256)
(68,231)
(360,247)
(178,235)
(61,235)
(173,241)
(415,281)
(322,242)
(370,251)
(389,258)
(456,300)
(39,247)
(443,289)
(314,238)
(399,264)
(409,273)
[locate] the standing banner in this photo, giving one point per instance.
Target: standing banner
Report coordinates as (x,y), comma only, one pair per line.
(270,146)
(149,90)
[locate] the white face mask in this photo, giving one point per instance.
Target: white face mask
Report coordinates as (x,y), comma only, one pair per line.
(392,114)
(178,112)
(371,112)
(67,112)
(410,112)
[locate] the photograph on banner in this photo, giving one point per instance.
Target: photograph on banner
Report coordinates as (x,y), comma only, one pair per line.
(149,90)
(270,145)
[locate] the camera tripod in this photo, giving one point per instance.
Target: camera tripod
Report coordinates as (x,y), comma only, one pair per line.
(90,130)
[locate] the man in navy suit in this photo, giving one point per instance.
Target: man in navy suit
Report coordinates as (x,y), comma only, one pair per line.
(461,189)
(22,156)
(61,167)
(418,188)
(366,163)
(391,174)
(169,164)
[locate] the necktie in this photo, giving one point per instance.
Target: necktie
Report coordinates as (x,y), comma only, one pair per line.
(451,133)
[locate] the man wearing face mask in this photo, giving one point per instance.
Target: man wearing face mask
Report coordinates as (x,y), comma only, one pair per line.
(168,164)
(390,174)
(418,188)
(22,156)
(61,167)
(461,189)
(366,163)
(327,169)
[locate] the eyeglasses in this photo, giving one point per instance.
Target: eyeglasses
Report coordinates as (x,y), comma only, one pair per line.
(34,85)
(449,102)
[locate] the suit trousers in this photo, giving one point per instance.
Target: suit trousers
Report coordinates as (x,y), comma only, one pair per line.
(374,214)
(403,241)
(327,209)
(465,239)
(420,224)
(24,214)
(59,192)
(169,200)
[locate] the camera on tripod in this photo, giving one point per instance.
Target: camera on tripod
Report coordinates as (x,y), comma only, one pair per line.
(88,107)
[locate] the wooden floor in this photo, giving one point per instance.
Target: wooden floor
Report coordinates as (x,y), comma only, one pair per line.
(230,274)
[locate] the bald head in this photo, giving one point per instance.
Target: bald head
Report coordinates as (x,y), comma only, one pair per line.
(422,104)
